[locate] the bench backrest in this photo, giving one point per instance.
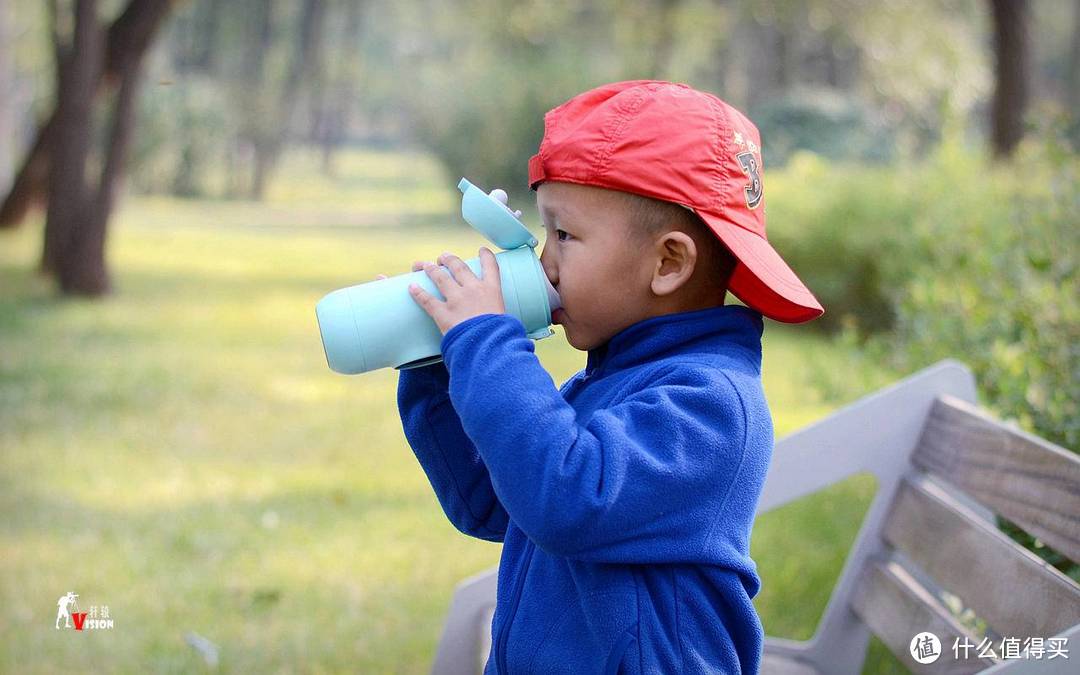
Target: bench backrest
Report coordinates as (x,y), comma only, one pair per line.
(1021,477)
(931,529)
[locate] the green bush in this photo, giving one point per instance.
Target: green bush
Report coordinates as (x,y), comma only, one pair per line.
(846,230)
(959,258)
(953,257)
(999,287)
(1001,292)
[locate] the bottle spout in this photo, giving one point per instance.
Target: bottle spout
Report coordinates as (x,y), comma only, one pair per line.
(489,215)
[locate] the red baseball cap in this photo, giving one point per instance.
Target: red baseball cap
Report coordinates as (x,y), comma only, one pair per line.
(672,142)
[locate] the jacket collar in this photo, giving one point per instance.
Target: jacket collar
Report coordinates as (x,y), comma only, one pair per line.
(714,329)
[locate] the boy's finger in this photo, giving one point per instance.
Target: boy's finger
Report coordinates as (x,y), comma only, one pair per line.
(443,280)
(489,265)
(458,268)
(418,265)
(426,300)
(380,277)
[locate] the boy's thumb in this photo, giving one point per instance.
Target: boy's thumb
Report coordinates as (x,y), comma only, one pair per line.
(488,263)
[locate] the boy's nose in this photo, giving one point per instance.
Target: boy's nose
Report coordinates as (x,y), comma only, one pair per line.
(548,263)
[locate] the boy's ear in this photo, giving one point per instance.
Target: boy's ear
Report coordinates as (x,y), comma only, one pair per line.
(676,259)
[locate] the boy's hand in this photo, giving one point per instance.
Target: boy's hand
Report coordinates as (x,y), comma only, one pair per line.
(416,267)
(466,294)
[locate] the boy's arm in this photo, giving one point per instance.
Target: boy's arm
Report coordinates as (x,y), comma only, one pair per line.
(641,481)
(448,457)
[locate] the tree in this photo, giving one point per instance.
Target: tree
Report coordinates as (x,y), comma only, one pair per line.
(1012,66)
(1072,86)
(7,74)
(336,82)
(89,59)
(130,34)
(267,132)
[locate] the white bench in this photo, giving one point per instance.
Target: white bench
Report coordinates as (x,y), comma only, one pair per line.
(943,469)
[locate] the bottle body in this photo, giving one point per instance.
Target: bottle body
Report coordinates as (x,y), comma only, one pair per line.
(379,325)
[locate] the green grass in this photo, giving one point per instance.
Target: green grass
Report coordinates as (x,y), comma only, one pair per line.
(181,453)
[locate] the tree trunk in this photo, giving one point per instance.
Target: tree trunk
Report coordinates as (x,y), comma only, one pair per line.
(129,35)
(77,68)
(252,88)
(768,62)
(1072,85)
(1012,52)
(269,144)
(31,182)
(337,110)
(719,69)
(210,18)
(664,45)
(78,211)
(7,94)
(85,271)
(783,51)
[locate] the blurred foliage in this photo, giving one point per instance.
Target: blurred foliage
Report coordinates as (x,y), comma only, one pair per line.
(479,85)
(472,80)
(182,132)
(960,259)
(922,62)
(999,284)
(825,121)
(846,230)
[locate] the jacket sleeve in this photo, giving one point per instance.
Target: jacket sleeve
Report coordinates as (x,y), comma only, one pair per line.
(450,460)
(641,481)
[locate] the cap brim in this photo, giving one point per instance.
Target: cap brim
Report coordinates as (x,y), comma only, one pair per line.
(762,279)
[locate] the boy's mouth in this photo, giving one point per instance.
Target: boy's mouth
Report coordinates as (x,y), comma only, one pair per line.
(557,316)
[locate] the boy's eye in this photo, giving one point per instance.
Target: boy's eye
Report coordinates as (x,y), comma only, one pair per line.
(562,235)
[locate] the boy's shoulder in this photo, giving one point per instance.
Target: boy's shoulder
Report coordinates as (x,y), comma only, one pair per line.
(703,373)
(711,371)
(705,355)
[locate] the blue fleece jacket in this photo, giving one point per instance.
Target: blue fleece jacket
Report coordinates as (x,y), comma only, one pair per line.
(624,500)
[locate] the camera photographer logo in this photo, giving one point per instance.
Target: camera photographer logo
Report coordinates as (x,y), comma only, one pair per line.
(98,616)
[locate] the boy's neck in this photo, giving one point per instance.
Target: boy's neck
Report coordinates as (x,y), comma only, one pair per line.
(686,302)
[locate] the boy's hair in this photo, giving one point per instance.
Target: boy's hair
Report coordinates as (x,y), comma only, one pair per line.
(653,217)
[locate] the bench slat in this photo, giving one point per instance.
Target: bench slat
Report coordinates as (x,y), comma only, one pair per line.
(1015,591)
(772,664)
(897,608)
(1022,477)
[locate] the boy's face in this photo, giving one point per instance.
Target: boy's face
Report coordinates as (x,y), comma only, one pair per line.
(594,259)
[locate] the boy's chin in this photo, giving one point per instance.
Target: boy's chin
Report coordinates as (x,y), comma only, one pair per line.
(578,341)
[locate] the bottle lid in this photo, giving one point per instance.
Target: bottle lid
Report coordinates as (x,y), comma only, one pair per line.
(491,218)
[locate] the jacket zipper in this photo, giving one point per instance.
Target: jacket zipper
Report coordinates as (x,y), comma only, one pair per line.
(504,633)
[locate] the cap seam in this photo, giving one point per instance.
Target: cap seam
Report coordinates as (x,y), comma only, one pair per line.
(551,122)
(720,148)
(628,110)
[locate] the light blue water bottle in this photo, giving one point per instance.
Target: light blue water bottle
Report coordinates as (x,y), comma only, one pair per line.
(379,325)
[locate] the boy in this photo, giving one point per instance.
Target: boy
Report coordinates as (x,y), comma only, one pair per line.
(624,500)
